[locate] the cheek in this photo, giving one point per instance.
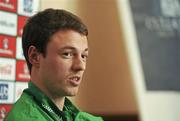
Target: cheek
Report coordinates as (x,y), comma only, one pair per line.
(59,66)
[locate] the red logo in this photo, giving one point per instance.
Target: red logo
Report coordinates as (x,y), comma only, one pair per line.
(4,109)
(7,46)
(8,5)
(22,72)
(21,22)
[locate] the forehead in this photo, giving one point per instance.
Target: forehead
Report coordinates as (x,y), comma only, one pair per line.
(68,38)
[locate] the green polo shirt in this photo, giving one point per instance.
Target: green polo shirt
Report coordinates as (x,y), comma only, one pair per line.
(34,105)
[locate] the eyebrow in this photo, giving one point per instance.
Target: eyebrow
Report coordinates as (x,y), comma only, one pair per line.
(71,48)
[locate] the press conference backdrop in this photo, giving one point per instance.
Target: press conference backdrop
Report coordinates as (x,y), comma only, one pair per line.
(157,24)
(14,73)
(152,32)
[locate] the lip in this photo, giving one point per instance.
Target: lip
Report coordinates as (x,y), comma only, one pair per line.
(74,80)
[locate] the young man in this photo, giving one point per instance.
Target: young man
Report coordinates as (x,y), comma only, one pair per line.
(56,50)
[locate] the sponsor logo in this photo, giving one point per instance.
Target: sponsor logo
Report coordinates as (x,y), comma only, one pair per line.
(25,73)
(7,69)
(4,23)
(7,46)
(4,109)
(2,113)
(5,43)
(8,23)
(6,92)
(3,91)
(8,5)
(28,6)
(22,72)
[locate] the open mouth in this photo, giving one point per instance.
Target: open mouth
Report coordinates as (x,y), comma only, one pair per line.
(74,80)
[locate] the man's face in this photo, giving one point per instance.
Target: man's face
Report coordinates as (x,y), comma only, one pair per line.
(62,68)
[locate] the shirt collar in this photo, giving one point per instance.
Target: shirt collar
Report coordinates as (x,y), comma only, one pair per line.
(69,110)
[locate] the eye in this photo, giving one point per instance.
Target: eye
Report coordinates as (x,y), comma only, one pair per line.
(67,54)
(85,57)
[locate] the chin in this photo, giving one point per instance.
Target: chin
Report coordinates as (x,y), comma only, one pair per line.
(72,93)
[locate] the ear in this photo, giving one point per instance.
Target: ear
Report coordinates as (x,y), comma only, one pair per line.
(34,56)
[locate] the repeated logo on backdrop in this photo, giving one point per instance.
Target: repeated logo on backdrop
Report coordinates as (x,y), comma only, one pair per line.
(8,5)
(14,74)
(4,109)
(7,46)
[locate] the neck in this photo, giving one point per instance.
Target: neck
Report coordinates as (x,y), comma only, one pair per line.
(57,100)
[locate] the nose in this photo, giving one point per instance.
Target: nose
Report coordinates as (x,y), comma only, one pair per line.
(79,64)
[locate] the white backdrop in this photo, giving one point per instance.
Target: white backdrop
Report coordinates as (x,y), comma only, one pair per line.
(14,73)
